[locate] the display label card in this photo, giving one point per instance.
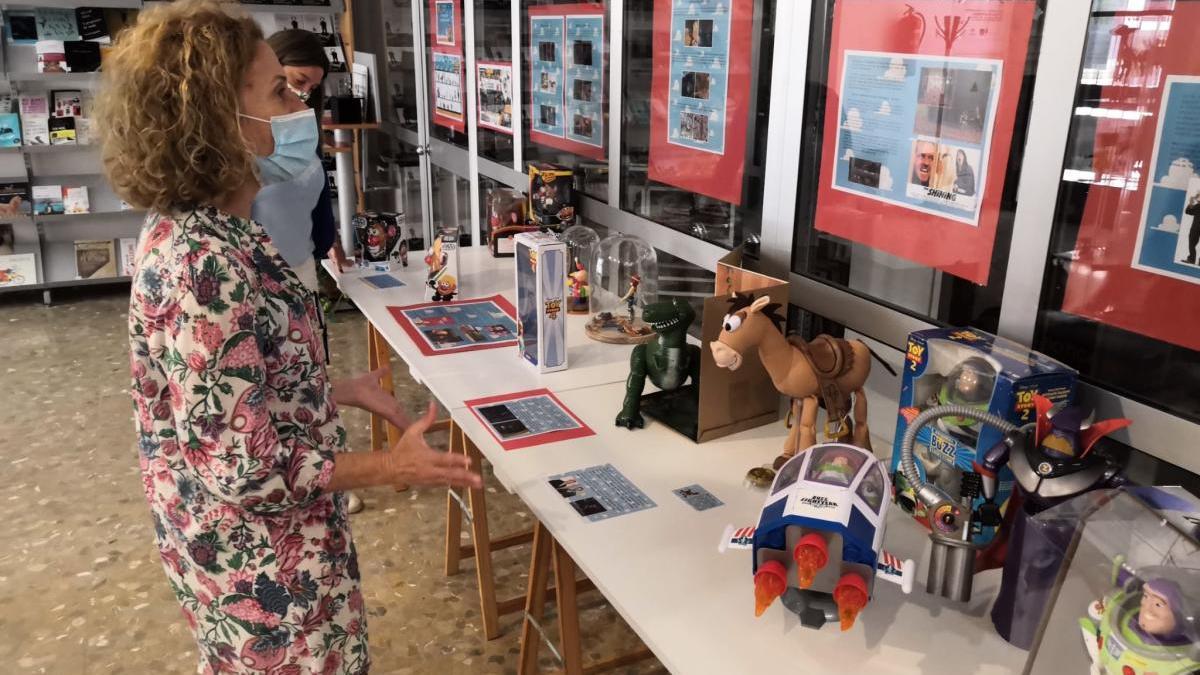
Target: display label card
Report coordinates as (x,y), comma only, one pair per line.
(463,326)
(600,492)
(383,281)
(697,497)
(527,418)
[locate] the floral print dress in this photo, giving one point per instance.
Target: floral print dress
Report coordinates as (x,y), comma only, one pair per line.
(237,430)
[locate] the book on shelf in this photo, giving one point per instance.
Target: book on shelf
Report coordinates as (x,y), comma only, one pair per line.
(67,102)
(14,199)
(10,130)
(82,56)
(47,200)
(91,24)
(51,56)
(128,255)
(35,119)
(95,259)
(21,26)
(75,200)
(62,131)
(56,24)
(18,269)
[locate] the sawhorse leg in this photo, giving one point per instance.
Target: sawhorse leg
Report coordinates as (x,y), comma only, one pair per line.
(474,508)
(549,556)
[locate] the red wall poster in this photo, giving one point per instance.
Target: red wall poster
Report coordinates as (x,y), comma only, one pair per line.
(1136,262)
(701,95)
(448,82)
(566,78)
(918,123)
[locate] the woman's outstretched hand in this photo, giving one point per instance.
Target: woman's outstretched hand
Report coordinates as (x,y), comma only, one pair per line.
(412,462)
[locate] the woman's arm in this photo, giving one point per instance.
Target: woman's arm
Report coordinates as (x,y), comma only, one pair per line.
(411,462)
(364,392)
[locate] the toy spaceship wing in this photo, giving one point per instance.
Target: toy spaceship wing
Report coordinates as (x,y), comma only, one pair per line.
(893,569)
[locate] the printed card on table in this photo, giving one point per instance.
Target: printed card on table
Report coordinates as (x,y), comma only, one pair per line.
(463,326)
(600,492)
(527,418)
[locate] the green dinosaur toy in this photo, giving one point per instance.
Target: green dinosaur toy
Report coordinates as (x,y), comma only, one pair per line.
(668,360)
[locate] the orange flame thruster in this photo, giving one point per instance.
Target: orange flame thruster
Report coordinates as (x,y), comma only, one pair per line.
(811,554)
(770,581)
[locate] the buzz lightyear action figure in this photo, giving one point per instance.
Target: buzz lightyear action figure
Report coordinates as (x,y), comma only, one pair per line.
(1143,627)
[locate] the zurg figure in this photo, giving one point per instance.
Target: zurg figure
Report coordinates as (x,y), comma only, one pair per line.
(1052,461)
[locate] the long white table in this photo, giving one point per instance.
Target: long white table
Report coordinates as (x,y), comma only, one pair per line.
(660,568)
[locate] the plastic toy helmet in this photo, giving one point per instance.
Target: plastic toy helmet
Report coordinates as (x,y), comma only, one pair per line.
(970,383)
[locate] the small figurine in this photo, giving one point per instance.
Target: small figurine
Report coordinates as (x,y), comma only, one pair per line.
(630,297)
(577,284)
(1143,626)
(445,289)
(828,370)
(830,500)
(1052,461)
(667,360)
(404,252)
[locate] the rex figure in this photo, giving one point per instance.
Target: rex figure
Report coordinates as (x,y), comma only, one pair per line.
(667,360)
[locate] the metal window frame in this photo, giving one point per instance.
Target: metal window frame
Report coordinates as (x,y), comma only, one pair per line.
(1154,432)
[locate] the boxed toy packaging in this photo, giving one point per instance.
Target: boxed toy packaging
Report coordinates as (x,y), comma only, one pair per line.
(379,239)
(971,368)
(506,217)
(442,265)
(541,306)
(551,197)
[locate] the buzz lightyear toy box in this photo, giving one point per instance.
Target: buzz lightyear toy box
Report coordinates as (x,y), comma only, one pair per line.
(541,264)
(968,367)
(442,265)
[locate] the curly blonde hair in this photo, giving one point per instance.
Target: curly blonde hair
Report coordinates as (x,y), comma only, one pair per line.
(167,114)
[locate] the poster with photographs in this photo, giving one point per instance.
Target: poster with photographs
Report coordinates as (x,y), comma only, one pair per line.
(917,127)
(1169,231)
(448,65)
(699,75)
(448,89)
(567,70)
(546,70)
(444,22)
(494,80)
(701,95)
(322,25)
(526,418)
(914,131)
(584,52)
(463,326)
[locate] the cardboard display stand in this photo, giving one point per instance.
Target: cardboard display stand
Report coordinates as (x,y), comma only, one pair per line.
(726,401)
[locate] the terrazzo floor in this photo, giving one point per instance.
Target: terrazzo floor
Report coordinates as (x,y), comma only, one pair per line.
(81,587)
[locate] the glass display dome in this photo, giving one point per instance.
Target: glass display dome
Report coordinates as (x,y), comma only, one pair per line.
(625,281)
(582,242)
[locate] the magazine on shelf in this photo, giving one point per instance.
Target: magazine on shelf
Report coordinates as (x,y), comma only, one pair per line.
(14,199)
(47,200)
(95,259)
(22,26)
(18,269)
(51,56)
(62,131)
(75,200)
(91,24)
(82,56)
(35,114)
(10,130)
(128,255)
(56,24)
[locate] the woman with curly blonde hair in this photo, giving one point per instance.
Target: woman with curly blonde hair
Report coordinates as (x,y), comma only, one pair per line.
(241,445)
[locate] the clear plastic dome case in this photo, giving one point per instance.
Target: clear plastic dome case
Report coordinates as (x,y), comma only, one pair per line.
(582,242)
(625,281)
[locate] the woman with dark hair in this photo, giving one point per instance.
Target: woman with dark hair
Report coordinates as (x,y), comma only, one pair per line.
(964,176)
(285,207)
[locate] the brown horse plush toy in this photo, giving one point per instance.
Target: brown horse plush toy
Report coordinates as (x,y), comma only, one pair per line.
(827,369)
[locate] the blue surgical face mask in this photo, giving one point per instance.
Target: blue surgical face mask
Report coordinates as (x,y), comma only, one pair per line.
(296,138)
